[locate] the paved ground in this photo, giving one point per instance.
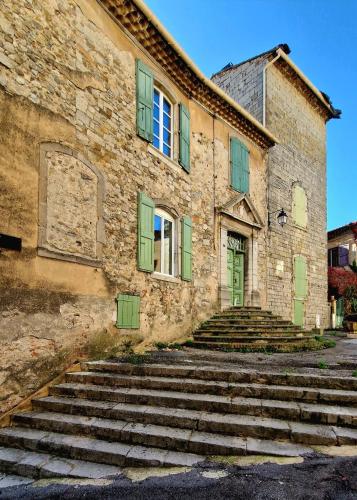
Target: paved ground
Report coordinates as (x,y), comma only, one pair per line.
(315,478)
(341,357)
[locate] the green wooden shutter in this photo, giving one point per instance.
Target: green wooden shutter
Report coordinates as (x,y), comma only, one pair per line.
(144,101)
(300,277)
(146,209)
(128,314)
(299,206)
(239,158)
(186,255)
(184,156)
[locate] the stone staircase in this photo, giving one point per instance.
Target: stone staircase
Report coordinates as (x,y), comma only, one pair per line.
(113,415)
(250,328)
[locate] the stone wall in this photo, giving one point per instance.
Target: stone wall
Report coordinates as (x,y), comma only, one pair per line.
(244,83)
(300,157)
(67,79)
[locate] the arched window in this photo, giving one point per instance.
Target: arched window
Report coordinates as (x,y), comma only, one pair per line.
(164,243)
(162,126)
(299,206)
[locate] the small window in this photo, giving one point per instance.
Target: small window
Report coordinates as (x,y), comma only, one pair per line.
(162,123)
(164,243)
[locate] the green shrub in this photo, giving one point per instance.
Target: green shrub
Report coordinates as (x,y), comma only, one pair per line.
(322,365)
(354,373)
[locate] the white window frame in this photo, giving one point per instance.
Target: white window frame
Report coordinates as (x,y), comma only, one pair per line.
(161,123)
(164,215)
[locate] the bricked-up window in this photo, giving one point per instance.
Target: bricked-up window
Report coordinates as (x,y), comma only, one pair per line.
(299,206)
(162,123)
(71,206)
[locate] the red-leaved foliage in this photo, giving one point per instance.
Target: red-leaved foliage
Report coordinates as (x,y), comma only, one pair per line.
(339,279)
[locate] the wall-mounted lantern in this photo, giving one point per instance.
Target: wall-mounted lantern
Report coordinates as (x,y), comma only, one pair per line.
(282,217)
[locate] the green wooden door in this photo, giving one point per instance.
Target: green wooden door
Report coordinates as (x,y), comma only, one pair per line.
(235,276)
(300,289)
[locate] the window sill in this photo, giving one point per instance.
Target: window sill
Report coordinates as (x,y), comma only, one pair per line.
(158,154)
(164,277)
(78,259)
(296,226)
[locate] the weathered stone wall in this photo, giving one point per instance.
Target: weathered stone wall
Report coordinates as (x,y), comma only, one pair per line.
(244,83)
(300,157)
(67,77)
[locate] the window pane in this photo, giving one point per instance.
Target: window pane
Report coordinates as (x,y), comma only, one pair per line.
(156,96)
(167,246)
(157,244)
(156,112)
(167,107)
(156,128)
(156,142)
(167,150)
(167,122)
(167,137)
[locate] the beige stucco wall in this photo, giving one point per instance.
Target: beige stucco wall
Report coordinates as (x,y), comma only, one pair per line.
(67,75)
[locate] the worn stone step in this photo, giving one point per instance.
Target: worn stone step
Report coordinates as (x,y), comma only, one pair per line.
(249,325)
(338,415)
(41,465)
(94,450)
(185,440)
(233,331)
(235,374)
(238,425)
(201,336)
(261,344)
(214,387)
(247,321)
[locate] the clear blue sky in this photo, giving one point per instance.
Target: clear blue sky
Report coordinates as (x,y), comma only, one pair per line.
(322,35)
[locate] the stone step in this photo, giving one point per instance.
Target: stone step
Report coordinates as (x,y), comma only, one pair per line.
(231,389)
(178,439)
(233,330)
(260,344)
(94,450)
(253,315)
(249,323)
(43,465)
(202,337)
(214,334)
(312,412)
(235,374)
(230,424)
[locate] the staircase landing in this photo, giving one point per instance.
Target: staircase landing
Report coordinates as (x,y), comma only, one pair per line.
(251,329)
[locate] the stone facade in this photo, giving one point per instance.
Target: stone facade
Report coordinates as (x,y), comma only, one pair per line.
(296,113)
(71,169)
(342,245)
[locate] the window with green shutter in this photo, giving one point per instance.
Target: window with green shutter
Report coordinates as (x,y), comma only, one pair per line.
(186,251)
(239,160)
(146,210)
(128,313)
(144,101)
(299,209)
(184,156)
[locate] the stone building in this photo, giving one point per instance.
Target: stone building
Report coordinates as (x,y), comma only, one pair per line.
(133,190)
(281,97)
(342,245)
